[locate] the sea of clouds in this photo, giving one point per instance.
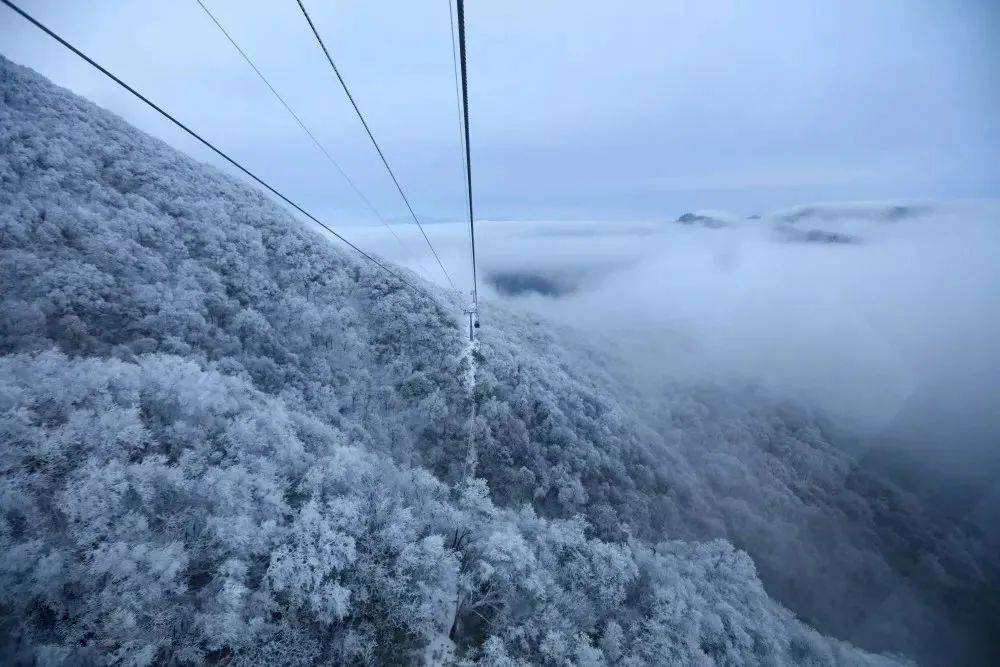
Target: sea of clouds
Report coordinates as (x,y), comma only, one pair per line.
(885,316)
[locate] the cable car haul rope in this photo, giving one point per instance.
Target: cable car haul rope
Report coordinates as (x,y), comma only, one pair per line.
(474,309)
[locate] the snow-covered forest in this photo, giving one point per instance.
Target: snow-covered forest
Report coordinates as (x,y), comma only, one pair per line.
(225,440)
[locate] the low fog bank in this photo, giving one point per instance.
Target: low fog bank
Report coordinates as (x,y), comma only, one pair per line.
(881,315)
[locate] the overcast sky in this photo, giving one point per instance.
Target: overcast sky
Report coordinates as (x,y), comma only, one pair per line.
(582,109)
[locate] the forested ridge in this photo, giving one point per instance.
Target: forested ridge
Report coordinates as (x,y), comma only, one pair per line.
(226,440)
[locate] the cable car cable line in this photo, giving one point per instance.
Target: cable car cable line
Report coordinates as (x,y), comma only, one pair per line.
(204,141)
(301,124)
(468,154)
(378,149)
(473,309)
(458,104)
(458,90)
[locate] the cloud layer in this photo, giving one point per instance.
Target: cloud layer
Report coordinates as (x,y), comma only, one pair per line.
(892,334)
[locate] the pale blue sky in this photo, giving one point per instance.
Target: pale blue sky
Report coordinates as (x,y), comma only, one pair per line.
(579,109)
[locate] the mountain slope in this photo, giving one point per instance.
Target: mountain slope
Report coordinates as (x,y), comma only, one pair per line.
(227,440)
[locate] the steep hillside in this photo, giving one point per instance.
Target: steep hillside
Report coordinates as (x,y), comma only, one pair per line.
(225,440)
